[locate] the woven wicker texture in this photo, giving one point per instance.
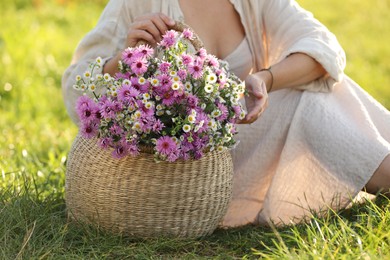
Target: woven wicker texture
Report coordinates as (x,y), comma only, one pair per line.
(142,198)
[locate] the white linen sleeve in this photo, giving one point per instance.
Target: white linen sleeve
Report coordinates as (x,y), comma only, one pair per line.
(103,41)
(291,29)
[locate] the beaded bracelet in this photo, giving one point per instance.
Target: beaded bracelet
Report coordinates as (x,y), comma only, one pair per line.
(272,77)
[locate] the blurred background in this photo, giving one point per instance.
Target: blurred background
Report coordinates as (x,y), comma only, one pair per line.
(38,37)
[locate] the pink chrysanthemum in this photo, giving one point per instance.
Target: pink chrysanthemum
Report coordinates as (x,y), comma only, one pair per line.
(142,88)
(224,112)
(188,34)
(127,93)
(128,56)
(119,152)
(182,74)
(237,111)
(87,110)
(165,81)
(139,66)
(168,97)
(164,66)
(165,145)
(116,130)
(107,109)
(192,101)
(145,52)
(202,54)
(195,69)
(89,130)
(198,155)
(187,59)
(120,75)
(169,39)
(84,101)
(158,126)
(133,149)
(212,61)
(173,156)
(202,121)
(105,142)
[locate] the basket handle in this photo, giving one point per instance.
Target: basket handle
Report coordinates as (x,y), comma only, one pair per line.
(179,27)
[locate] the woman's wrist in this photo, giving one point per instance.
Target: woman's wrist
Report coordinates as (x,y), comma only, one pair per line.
(268,77)
(111,66)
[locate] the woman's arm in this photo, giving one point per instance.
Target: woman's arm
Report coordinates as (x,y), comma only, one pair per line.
(295,70)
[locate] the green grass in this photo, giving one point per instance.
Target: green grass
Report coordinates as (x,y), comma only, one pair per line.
(37,39)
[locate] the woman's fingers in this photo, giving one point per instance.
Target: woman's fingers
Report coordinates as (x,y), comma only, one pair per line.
(149,27)
(256,101)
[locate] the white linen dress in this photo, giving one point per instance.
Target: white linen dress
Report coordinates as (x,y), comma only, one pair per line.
(314,147)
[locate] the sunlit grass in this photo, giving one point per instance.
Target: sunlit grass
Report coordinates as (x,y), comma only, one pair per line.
(37,39)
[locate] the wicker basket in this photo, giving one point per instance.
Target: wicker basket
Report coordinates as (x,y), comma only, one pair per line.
(142,198)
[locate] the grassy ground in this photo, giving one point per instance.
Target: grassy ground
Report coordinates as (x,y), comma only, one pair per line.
(37,39)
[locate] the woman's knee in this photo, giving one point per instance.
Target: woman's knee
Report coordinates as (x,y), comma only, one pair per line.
(380,180)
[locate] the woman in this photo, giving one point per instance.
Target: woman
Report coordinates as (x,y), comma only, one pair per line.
(320,140)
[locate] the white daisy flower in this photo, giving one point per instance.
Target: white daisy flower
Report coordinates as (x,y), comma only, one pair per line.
(87,74)
(154,82)
(175,86)
(208,88)
(191,118)
(107,77)
(120,116)
(226,139)
(188,86)
(92,87)
(216,113)
(146,96)
(78,78)
(137,114)
(159,107)
(211,79)
(186,128)
(159,112)
(141,80)
(241,88)
(196,128)
(172,73)
(193,112)
(221,148)
(175,78)
(137,126)
(99,61)
(234,100)
(149,105)
(242,115)
(222,77)
(126,82)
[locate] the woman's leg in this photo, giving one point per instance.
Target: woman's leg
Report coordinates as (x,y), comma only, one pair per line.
(380,181)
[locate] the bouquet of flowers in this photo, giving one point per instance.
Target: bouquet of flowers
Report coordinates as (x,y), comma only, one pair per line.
(180,101)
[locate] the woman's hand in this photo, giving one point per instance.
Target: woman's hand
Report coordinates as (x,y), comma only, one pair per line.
(257,99)
(149,27)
